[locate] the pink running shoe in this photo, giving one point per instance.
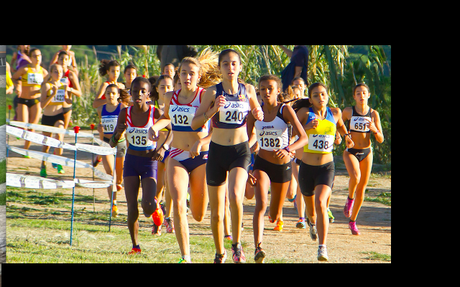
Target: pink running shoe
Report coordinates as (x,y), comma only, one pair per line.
(348,207)
(353,228)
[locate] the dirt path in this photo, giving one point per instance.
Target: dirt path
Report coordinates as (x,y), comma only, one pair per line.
(289,246)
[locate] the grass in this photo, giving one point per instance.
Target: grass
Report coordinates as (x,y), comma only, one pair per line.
(38,230)
(377,256)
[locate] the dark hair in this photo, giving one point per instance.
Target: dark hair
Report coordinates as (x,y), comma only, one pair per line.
(227,51)
(272,78)
(124,96)
(155,81)
(63,53)
(315,85)
(298,78)
(305,103)
(139,80)
(130,66)
(111,86)
(361,85)
(105,65)
(302,103)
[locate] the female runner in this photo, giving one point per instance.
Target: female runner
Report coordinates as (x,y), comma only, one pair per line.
(136,120)
(228,104)
(358,160)
(273,162)
(316,172)
(31,77)
(111,68)
(108,115)
(70,79)
(53,95)
(157,97)
(189,148)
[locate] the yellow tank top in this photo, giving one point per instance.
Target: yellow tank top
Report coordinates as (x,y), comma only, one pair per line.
(32,79)
(59,98)
(321,139)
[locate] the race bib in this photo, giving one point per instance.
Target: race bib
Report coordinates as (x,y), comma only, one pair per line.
(234,112)
(109,123)
(321,143)
(59,97)
(358,124)
(138,138)
(181,115)
(34,79)
(270,139)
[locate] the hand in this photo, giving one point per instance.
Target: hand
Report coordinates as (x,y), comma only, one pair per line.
(251,179)
(312,124)
(349,142)
(152,134)
(370,124)
(338,139)
(258,114)
(281,153)
(159,154)
(218,103)
(195,149)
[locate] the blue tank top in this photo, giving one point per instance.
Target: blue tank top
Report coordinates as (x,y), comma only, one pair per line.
(109,119)
(233,114)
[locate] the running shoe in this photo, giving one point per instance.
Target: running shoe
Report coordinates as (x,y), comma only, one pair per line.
(183,260)
(330,215)
(228,237)
(158,215)
(301,223)
(259,254)
(353,228)
(220,258)
(114,210)
(313,232)
(279,225)
(43,172)
(60,170)
(168,223)
(348,207)
(134,251)
(97,161)
(322,253)
(238,254)
(156,230)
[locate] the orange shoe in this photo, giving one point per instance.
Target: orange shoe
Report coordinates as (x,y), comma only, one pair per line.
(134,251)
(279,225)
(114,210)
(158,216)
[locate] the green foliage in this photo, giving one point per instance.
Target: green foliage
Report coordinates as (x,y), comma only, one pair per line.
(332,65)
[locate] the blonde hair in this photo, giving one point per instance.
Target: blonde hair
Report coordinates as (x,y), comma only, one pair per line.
(207,67)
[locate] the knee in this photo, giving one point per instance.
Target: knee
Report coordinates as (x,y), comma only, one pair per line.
(355,176)
(321,204)
(217,217)
(148,208)
(261,205)
(180,207)
(198,216)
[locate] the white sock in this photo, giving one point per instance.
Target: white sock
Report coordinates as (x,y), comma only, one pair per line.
(187,258)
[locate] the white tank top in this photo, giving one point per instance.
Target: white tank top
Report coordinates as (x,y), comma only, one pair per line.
(138,135)
(273,135)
